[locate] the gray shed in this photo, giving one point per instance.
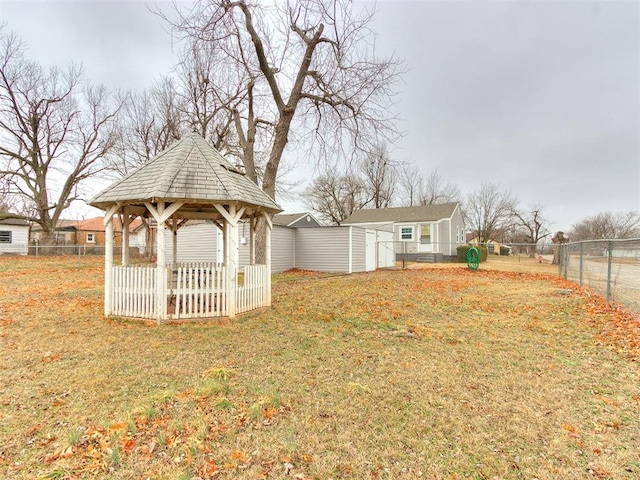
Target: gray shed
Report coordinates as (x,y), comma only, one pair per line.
(189,180)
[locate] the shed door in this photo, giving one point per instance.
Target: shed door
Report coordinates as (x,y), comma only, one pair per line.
(386,253)
(370,251)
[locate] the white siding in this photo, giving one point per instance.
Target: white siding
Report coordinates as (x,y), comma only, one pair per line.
(323,249)
(358,250)
(199,243)
(19,239)
(456,221)
(196,243)
(283,248)
(443,228)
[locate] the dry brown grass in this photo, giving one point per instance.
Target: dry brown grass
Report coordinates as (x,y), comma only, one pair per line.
(515,263)
(437,373)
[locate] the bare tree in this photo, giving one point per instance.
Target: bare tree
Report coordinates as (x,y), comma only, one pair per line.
(487,211)
(209,94)
(418,190)
(533,225)
(609,225)
(7,203)
(335,197)
(309,63)
(370,183)
(378,175)
(149,122)
(435,190)
(55,132)
(411,184)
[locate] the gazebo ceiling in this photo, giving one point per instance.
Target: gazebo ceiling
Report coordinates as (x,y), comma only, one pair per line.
(190,171)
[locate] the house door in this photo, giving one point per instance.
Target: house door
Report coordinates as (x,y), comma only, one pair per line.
(425,243)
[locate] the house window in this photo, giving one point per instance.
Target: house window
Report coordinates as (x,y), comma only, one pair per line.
(5,236)
(406,233)
(425,234)
(91,238)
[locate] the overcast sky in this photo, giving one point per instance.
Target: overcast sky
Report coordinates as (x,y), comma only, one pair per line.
(539,97)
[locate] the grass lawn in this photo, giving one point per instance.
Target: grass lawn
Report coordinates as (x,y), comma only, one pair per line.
(438,373)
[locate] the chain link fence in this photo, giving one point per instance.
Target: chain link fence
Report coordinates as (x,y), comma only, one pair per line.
(611,268)
(408,254)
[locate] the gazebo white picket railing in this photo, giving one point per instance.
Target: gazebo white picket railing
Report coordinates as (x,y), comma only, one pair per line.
(197,291)
(254,290)
(134,291)
(192,291)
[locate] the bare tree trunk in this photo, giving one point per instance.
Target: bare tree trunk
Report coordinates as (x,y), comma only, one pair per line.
(558,239)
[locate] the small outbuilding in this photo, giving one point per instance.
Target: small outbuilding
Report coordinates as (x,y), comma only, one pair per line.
(424,232)
(190,180)
(14,237)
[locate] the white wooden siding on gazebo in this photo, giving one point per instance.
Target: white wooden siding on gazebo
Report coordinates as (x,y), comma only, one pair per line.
(188,181)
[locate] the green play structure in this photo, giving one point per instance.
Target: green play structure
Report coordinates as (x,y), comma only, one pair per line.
(473,258)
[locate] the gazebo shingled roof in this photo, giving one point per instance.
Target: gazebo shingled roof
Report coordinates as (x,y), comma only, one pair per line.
(191,171)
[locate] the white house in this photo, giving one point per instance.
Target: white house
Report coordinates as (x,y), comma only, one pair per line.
(14,237)
(426,231)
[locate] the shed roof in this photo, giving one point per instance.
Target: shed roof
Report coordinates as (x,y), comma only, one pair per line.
(422,213)
(14,221)
(191,170)
(289,219)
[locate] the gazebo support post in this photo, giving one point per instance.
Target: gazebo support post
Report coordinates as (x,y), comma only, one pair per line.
(231,248)
(108,267)
(174,237)
(161,215)
(161,266)
(231,217)
(126,221)
(253,223)
(267,256)
(108,259)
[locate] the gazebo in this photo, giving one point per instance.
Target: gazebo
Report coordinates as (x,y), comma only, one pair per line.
(190,180)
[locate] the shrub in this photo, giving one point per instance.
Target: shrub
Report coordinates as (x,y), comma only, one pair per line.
(504,250)
(463,249)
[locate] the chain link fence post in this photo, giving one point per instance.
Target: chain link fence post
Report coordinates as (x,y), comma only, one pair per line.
(581,261)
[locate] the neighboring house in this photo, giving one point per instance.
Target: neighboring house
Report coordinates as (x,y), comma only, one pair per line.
(493,246)
(307,247)
(89,232)
(14,237)
(426,231)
